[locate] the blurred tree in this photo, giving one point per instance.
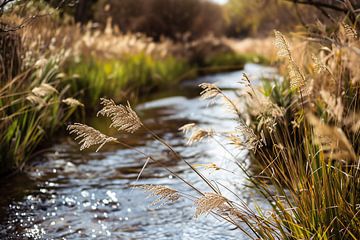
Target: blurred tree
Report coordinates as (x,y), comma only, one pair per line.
(84,11)
(347,7)
(156,18)
(211,19)
(259,17)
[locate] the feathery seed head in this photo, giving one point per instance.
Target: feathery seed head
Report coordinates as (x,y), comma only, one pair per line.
(72,102)
(199,135)
(235,140)
(44,90)
(350,32)
(89,136)
(282,45)
(162,192)
(297,79)
(334,105)
(210,91)
(353,121)
(187,127)
(251,141)
(36,100)
(208,203)
(319,66)
(123,117)
(332,140)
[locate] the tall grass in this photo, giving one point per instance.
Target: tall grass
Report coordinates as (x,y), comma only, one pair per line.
(303,137)
(87,63)
(115,78)
(31,110)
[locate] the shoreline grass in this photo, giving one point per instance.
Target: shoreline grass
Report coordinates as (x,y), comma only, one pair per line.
(304,135)
(84,66)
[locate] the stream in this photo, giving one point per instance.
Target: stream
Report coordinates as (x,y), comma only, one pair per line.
(68,194)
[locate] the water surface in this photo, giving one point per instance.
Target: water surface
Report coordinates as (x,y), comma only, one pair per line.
(68,194)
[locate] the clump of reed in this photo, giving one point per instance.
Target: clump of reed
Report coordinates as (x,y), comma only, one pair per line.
(106,62)
(303,135)
(32,108)
(84,62)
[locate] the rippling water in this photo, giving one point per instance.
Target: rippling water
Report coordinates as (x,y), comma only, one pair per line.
(68,194)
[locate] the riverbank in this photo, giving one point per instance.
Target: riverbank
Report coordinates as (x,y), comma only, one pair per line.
(63,70)
(82,189)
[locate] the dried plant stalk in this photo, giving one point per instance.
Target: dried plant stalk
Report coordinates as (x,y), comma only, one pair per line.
(199,135)
(36,100)
(89,136)
(72,102)
(282,45)
(334,106)
(123,117)
(210,91)
(187,127)
(162,192)
(332,140)
(44,90)
(209,202)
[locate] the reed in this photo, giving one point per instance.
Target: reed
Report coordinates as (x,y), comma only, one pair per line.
(32,109)
(54,66)
(303,136)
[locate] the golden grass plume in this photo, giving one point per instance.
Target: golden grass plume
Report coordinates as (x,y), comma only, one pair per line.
(44,90)
(209,202)
(123,117)
(89,136)
(72,102)
(164,193)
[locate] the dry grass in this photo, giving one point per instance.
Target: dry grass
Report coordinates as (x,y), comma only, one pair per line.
(89,136)
(163,193)
(304,140)
(256,46)
(123,117)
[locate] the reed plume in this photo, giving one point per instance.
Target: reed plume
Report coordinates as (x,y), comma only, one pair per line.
(200,134)
(350,32)
(72,102)
(282,45)
(210,91)
(89,136)
(332,140)
(164,194)
(319,66)
(353,122)
(297,79)
(36,100)
(209,202)
(187,127)
(44,90)
(123,117)
(334,105)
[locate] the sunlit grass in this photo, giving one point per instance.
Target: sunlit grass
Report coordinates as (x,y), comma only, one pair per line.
(303,138)
(94,78)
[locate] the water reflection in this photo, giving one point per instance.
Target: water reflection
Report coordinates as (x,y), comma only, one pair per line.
(66,194)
